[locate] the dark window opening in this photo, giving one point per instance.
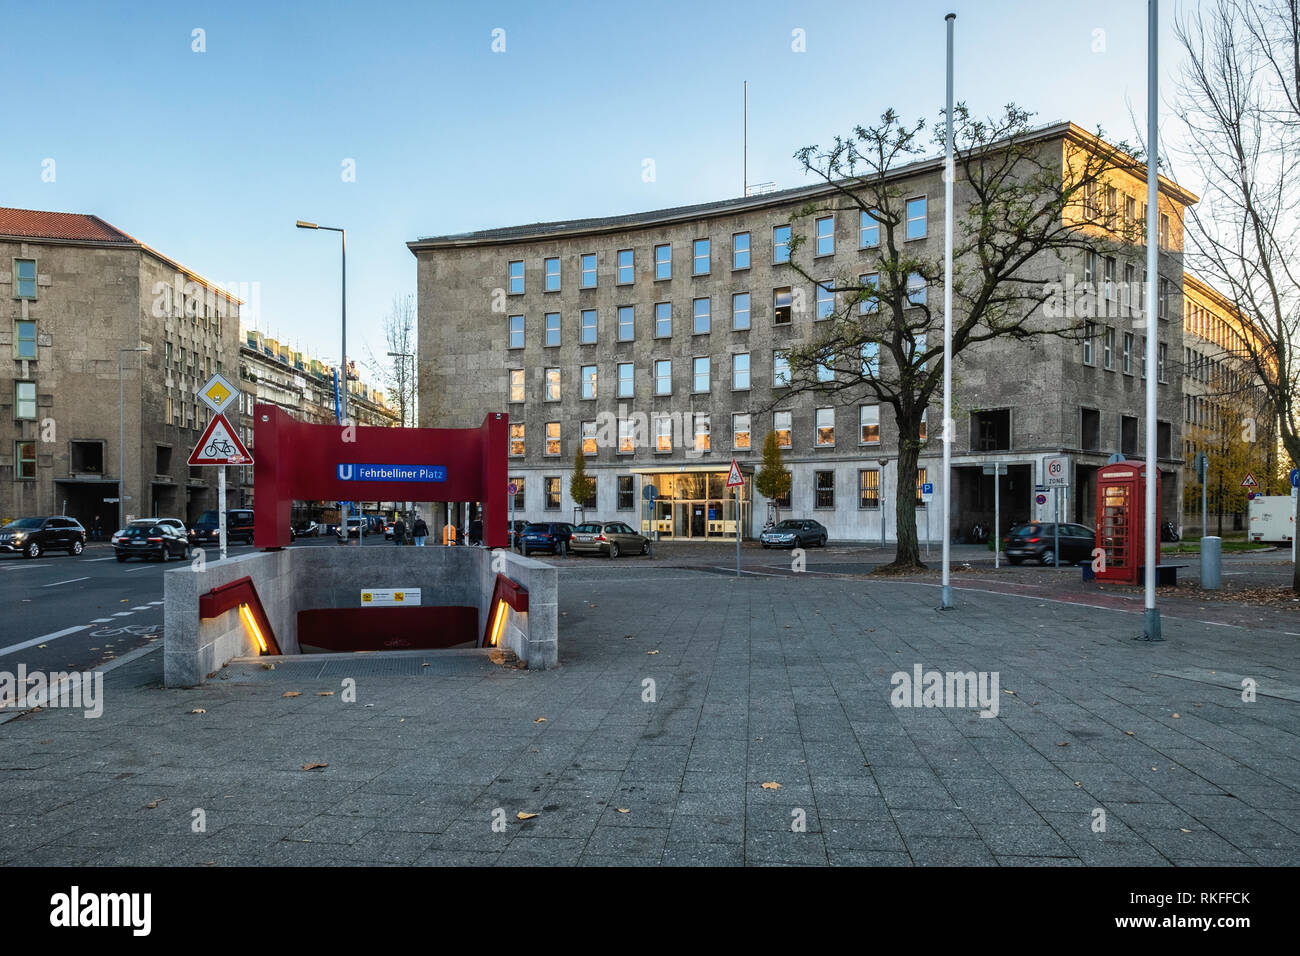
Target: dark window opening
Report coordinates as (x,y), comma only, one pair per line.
(1090,429)
(1128,436)
(991,431)
(626,493)
(162,460)
(87,457)
(1164,440)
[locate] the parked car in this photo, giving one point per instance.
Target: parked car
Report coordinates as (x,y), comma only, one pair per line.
(515,532)
(795,533)
(365,525)
(150,539)
(553,537)
(239,527)
(608,537)
(307,529)
(32,537)
(1036,540)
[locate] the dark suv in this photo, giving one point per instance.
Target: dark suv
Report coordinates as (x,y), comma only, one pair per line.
(549,536)
(32,537)
(1037,541)
(239,527)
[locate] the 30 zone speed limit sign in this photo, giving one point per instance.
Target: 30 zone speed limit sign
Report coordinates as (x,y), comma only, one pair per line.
(1056,471)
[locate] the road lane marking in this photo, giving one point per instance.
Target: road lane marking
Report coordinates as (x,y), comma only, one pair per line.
(143,607)
(101,620)
(54,636)
(123,614)
(92,560)
(155,603)
(69,581)
(143,567)
(25,564)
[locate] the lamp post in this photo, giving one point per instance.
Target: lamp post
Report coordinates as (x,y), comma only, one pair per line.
(343,348)
(881,494)
(121,432)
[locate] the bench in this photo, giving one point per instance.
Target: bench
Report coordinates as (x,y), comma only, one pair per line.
(1166,574)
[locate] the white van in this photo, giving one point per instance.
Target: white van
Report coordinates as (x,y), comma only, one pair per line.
(1271,518)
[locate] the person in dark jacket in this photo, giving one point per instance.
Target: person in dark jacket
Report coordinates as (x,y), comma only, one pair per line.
(419,531)
(476,532)
(399,531)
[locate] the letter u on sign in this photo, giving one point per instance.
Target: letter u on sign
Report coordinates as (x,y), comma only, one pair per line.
(345,472)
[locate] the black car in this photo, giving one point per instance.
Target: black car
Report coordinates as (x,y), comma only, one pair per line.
(239,527)
(32,537)
(795,533)
(149,539)
(1037,541)
(549,536)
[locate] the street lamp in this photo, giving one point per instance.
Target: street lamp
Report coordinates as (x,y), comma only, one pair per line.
(411,356)
(880,493)
(121,432)
(343,350)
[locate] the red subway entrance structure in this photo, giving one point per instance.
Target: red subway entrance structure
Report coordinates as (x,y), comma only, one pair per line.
(302,461)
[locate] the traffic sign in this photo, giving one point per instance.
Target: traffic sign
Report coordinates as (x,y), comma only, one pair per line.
(649,493)
(734,477)
(1249,481)
(1040,499)
(1295,477)
(927,491)
(995,469)
(1202,463)
(218,393)
(1056,470)
(513,488)
(220,445)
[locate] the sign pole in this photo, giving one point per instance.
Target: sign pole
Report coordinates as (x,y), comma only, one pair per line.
(221,509)
(737,531)
(1056,530)
(997,517)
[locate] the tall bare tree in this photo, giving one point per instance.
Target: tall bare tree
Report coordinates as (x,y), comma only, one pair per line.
(395,373)
(1022,204)
(1239,97)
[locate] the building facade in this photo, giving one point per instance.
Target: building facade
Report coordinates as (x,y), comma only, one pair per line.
(105,343)
(655,342)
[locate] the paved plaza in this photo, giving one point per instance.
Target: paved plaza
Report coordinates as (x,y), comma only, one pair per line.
(695,718)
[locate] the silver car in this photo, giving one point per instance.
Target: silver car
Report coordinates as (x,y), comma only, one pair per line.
(607,537)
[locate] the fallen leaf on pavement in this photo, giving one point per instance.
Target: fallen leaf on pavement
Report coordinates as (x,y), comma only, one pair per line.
(198,710)
(524,816)
(652,652)
(152,806)
(324,693)
(540,720)
(1176,716)
(622,810)
(771,786)
(292,693)
(314,766)
(1063,743)
(268,666)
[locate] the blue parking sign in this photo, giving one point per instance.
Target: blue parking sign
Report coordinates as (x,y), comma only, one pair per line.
(927,488)
(1295,477)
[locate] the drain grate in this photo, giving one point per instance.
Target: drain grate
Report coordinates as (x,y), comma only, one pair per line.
(337,666)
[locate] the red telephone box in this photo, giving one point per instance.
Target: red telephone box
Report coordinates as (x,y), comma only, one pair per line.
(1121,520)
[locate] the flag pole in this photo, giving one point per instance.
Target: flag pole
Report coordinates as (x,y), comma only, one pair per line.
(949,173)
(1151,621)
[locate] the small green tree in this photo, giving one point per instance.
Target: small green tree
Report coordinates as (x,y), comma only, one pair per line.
(773,479)
(582,487)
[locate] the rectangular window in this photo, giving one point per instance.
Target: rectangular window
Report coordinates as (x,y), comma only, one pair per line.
(517,277)
(626,493)
(921,433)
(589,381)
(825,235)
(24,278)
(920,480)
(869,425)
(552,329)
(552,493)
(625,373)
(552,267)
(780,369)
(702,252)
(1126,293)
(701,374)
(1164,231)
(516,385)
(780,244)
(25,400)
(588,280)
(1162,352)
(516,438)
(626,266)
(663,320)
(916,221)
(1142,353)
(25,461)
(587,329)
(1127,355)
(782,301)
(588,438)
(25,340)
(552,385)
(626,323)
(871,359)
(868,231)
(825,299)
(740,371)
(1109,279)
(663,377)
(824,489)
(626,436)
(740,250)
(1089,343)
(701,432)
(740,311)
(516,331)
(781,425)
(663,262)
(703,316)
(663,433)
(826,368)
(1163,304)
(552,438)
(519,482)
(825,427)
(916,289)
(869,488)
(1108,348)
(869,301)
(740,431)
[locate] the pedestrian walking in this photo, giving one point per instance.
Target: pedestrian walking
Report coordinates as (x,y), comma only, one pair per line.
(97,530)
(419,531)
(399,531)
(476,532)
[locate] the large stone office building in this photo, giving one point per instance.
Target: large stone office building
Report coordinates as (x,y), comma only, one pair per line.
(105,341)
(656,341)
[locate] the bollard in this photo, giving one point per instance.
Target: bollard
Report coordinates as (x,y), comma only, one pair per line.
(1211,563)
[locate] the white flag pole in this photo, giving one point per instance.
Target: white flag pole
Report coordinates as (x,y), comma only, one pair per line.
(949,173)
(1151,627)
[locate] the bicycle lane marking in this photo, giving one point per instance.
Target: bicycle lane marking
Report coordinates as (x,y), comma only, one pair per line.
(44,638)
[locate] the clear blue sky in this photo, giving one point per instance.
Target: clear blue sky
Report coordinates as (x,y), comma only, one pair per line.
(211,157)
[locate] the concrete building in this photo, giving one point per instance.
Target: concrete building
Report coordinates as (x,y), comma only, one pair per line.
(76,398)
(655,340)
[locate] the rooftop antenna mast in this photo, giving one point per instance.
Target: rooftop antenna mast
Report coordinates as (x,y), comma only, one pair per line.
(745,190)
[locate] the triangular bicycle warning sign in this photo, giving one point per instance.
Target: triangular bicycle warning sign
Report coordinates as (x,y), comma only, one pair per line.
(1249,481)
(220,445)
(735,478)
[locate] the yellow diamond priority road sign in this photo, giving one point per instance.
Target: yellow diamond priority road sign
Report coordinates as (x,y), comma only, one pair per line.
(218,393)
